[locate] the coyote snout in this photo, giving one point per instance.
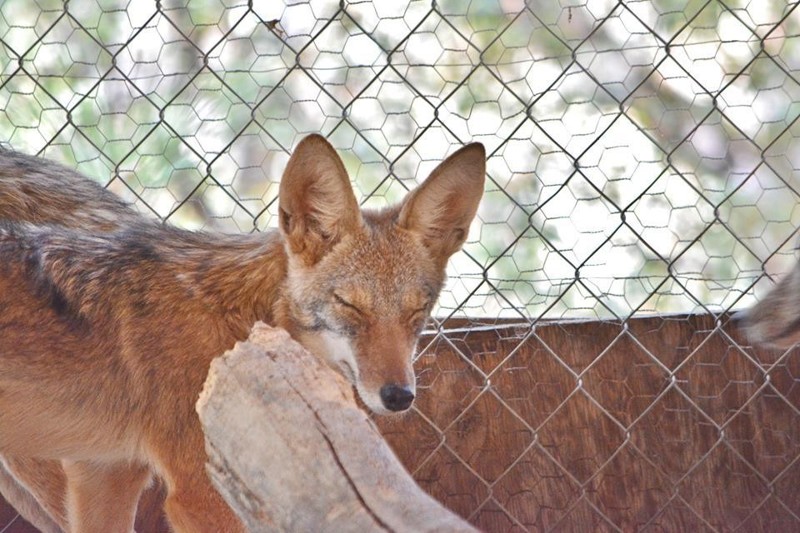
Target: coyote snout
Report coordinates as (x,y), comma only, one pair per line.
(382,374)
(397,397)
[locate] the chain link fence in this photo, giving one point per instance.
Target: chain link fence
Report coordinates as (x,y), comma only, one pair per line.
(643,155)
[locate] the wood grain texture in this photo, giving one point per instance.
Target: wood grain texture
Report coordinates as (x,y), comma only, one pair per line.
(671,423)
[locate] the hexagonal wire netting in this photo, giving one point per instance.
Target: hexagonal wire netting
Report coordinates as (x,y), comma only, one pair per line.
(643,155)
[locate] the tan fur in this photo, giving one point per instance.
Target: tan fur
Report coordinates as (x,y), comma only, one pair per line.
(775,320)
(107,326)
(39,191)
(37,489)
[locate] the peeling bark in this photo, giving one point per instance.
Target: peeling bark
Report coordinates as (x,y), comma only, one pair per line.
(290,450)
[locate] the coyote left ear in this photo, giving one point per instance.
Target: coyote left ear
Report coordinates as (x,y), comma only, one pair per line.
(442,208)
(317,206)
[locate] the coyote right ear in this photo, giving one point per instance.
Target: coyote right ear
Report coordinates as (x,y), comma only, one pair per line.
(442,208)
(316,202)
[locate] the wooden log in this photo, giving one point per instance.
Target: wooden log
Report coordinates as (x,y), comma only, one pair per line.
(290,450)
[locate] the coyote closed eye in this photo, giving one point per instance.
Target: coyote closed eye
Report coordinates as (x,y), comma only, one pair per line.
(108,321)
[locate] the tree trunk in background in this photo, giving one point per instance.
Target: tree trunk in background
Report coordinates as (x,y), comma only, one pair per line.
(290,450)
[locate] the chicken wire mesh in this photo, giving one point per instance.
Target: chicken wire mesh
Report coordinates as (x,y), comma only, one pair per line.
(643,155)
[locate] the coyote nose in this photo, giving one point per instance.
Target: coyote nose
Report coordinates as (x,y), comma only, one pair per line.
(396,398)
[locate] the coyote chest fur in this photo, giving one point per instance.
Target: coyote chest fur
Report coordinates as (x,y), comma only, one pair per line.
(109,321)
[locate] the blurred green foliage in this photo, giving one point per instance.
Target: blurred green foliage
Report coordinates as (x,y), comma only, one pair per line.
(643,153)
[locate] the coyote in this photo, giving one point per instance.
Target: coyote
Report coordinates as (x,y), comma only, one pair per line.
(38,191)
(775,319)
(108,324)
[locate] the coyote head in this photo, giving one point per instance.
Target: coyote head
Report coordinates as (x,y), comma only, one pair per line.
(361,284)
